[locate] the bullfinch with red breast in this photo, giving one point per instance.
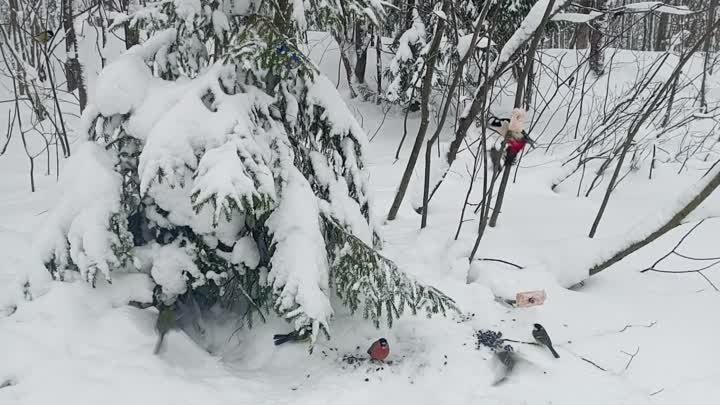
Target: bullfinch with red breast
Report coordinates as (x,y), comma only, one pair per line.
(379,350)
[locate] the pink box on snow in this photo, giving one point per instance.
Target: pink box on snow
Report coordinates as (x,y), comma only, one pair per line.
(529,298)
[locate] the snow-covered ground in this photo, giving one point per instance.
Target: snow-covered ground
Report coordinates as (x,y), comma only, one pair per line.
(624,338)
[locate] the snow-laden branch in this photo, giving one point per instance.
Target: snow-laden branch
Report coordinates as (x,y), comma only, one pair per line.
(529,26)
(653,228)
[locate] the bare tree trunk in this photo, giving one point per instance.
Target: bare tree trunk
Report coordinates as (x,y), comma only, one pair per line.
(425,115)
(344,48)
(73,69)
(15,34)
(582,31)
(706,49)
(661,34)
(72,65)
(378,65)
(529,85)
(102,33)
(675,221)
(361,48)
(596,41)
(651,29)
(501,194)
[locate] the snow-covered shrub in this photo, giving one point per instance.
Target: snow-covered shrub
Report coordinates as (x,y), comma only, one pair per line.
(407,64)
(407,67)
(239,176)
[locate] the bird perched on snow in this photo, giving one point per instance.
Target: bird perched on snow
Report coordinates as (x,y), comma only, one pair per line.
(542,337)
(379,350)
(167,320)
(302,335)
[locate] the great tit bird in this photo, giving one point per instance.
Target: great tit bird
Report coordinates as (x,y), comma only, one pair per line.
(542,337)
(167,320)
(302,335)
(43,37)
(379,350)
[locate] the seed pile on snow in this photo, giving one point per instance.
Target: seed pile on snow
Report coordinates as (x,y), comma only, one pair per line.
(492,340)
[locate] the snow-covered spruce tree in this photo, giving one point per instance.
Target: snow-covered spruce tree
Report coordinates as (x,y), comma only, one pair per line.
(407,64)
(220,161)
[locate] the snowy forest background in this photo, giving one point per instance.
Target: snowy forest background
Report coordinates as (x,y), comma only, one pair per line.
(346,168)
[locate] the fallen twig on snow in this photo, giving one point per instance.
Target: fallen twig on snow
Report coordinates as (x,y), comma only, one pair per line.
(593,363)
(585,359)
(632,357)
(658,391)
(650,325)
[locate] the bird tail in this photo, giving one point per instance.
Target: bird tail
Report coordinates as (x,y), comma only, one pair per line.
(280,339)
(159,343)
(552,349)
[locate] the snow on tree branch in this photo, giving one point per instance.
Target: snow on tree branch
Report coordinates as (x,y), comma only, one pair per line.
(527,29)
(299,266)
(77,234)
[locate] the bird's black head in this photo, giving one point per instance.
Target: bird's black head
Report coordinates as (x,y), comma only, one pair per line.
(498,122)
(383,342)
(538,326)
